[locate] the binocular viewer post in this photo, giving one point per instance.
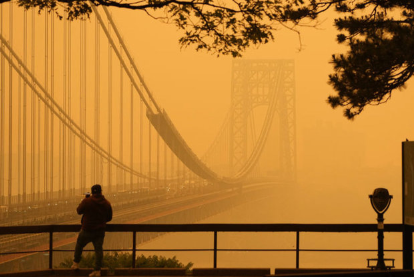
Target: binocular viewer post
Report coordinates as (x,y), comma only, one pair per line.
(380,202)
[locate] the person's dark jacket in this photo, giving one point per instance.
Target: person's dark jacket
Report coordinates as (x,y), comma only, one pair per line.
(96,211)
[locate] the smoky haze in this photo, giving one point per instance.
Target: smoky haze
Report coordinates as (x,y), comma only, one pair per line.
(339,162)
(194,88)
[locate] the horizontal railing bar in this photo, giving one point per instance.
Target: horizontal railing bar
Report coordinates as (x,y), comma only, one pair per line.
(223,250)
(348,250)
(269,250)
(337,228)
(208,250)
(25,252)
(257,249)
(206,228)
(254,227)
(228,250)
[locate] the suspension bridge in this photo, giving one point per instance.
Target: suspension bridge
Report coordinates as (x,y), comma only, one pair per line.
(75,111)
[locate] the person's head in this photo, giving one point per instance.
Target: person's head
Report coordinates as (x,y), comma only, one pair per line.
(96,189)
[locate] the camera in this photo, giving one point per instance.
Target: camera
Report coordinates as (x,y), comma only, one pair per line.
(87,194)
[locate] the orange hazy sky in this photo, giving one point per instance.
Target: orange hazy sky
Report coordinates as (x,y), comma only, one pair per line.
(194,88)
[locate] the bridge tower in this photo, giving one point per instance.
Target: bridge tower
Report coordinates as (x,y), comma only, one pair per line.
(254,83)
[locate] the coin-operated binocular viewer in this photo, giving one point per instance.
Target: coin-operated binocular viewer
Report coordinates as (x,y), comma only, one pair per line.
(380,201)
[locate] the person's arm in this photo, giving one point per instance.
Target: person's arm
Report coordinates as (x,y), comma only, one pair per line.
(109,214)
(81,207)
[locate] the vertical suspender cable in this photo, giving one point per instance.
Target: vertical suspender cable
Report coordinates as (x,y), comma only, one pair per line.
(96,158)
(52,91)
(62,127)
(177,176)
(121,125)
(141,139)
(24,110)
(165,165)
(33,118)
(180,170)
(93,165)
(9,192)
(2,112)
(149,156)
(158,161)
(46,111)
(131,140)
(60,130)
(71,148)
(83,103)
(98,74)
(109,109)
(19,138)
(38,150)
(227,148)
(172,165)
(80,103)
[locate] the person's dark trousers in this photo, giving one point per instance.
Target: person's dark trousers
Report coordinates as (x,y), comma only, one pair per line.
(85,237)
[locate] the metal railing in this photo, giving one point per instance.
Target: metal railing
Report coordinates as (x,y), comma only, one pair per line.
(214,228)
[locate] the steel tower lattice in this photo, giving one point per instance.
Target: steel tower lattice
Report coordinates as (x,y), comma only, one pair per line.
(254,83)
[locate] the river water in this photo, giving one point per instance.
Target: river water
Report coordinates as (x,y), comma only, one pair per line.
(290,204)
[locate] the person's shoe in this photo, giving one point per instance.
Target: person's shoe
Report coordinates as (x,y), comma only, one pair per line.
(95,273)
(75,265)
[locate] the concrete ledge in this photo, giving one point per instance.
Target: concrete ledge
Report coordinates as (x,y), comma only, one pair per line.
(279,271)
(348,273)
(231,271)
(27,273)
(54,272)
(150,272)
(258,272)
(77,272)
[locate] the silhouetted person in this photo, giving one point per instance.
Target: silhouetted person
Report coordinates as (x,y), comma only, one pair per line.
(96,211)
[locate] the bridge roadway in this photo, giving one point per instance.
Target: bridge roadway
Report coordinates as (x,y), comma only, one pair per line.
(211,203)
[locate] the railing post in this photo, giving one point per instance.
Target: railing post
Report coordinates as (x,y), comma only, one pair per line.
(407,247)
(297,249)
(134,248)
(50,249)
(215,249)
